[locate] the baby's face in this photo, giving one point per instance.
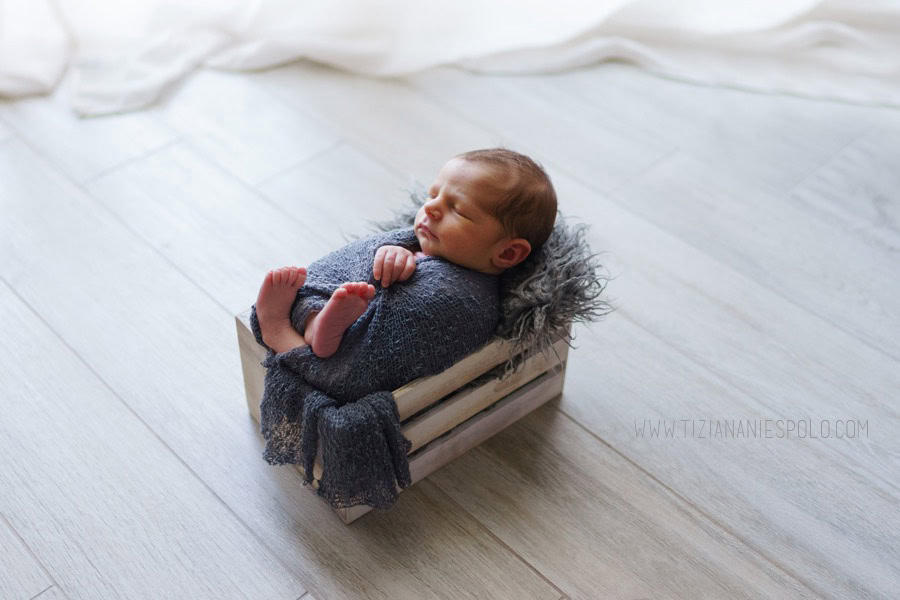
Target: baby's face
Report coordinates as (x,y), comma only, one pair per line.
(454,223)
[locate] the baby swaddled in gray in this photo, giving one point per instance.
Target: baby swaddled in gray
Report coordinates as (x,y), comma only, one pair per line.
(345,403)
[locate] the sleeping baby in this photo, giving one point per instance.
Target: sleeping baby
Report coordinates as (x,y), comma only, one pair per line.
(385,310)
(487,210)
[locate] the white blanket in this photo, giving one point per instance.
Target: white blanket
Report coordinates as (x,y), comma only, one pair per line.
(122,55)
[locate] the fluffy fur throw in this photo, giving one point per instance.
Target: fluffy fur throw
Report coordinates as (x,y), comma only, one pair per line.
(344,403)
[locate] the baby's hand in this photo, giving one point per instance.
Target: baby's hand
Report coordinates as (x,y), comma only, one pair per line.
(393,263)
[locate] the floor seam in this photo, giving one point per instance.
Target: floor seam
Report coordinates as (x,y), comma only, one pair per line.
(31,552)
(495,537)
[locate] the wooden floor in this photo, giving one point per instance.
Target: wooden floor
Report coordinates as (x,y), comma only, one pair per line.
(755,242)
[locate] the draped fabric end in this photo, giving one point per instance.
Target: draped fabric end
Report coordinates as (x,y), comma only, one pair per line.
(363,450)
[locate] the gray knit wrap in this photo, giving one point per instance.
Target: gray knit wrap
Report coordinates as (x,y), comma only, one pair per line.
(345,403)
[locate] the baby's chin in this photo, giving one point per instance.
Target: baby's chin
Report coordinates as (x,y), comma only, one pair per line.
(425,244)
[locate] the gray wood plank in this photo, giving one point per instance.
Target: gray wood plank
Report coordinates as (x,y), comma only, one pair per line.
(597,525)
(401,130)
(842,277)
(83,147)
(859,188)
(222,234)
(104,505)
(223,116)
(604,143)
(766,142)
(22,576)
(183,379)
(338,191)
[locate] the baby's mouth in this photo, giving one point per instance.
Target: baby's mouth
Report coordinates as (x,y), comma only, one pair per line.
(427,231)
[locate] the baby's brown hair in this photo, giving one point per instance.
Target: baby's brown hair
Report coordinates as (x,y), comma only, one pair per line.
(527,204)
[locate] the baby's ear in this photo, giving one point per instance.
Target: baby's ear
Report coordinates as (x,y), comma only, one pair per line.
(514,252)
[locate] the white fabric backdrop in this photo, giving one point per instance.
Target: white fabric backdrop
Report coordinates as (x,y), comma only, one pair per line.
(122,54)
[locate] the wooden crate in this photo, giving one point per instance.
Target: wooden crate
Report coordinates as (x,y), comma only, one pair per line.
(461,421)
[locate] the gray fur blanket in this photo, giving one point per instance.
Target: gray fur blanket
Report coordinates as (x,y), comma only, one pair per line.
(411,329)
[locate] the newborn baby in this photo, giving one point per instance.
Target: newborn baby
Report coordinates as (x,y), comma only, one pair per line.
(487,211)
(338,346)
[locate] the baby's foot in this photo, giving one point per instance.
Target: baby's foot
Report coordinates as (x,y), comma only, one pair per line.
(273,308)
(345,306)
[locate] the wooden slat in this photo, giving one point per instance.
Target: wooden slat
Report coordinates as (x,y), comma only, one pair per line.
(252,355)
(474,431)
(410,398)
(459,407)
(422,392)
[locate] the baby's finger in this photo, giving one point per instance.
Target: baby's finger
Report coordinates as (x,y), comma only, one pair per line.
(379,260)
(409,268)
(390,258)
